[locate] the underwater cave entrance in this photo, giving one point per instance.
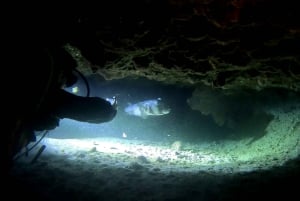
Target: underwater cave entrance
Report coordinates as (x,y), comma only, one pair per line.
(206,130)
(197,112)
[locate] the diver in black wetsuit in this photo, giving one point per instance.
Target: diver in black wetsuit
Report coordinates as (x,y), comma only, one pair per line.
(39,68)
(39,102)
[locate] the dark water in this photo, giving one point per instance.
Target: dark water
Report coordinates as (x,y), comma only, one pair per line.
(182,123)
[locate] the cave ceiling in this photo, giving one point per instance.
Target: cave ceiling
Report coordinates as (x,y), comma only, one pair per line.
(219,43)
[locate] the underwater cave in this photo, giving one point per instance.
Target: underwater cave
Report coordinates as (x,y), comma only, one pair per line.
(206,96)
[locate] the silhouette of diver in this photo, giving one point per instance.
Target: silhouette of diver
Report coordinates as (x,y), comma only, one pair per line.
(42,102)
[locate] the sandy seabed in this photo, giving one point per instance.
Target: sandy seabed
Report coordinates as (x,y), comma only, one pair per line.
(128,170)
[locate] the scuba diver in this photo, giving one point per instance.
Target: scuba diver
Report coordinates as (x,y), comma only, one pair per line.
(39,70)
(43,102)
